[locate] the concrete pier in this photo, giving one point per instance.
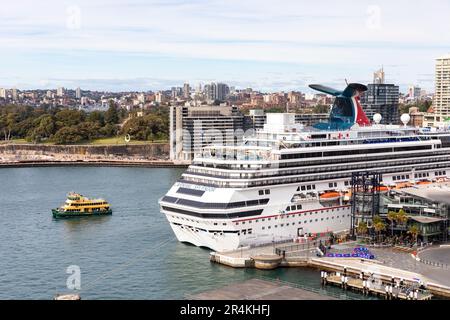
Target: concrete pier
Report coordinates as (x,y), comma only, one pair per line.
(259,289)
(394,265)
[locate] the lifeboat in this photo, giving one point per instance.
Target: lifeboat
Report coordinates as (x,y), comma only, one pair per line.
(382,189)
(330,196)
(423,182)
(402,185)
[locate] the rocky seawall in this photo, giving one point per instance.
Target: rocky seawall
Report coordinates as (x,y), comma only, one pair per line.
(39,153)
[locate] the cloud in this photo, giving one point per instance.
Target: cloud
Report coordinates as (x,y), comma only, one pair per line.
(334,35)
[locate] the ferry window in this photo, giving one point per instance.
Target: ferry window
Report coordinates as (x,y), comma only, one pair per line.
(267,191)
(321,219)
(264,228)
(263,219)
(310,220)
(269,227)
(292,207)
(303,188)
(407,176)
(287,224)
(287,208)
(308,187)
(257,220)
(282,225)
(403,178)
(299,207)
(317,220)
(328,218)
(261,192)
(269,219)
(314,187)
(276,226)
(395,178)
(330,185)
(243,222)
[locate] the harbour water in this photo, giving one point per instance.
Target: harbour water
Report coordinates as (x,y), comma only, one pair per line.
(132,254)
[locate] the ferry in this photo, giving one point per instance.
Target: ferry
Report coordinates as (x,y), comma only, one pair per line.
(77,205)
(288,181)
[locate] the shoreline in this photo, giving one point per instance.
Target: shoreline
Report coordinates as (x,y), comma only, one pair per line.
(90,163)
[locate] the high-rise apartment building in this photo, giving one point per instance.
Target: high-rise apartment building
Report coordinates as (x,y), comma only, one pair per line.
(441,103)
(78,93)
(381,98)
(186,91)
(216,91)
(192,128)
(60,92)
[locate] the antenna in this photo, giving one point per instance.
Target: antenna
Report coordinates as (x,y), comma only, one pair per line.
(346,82)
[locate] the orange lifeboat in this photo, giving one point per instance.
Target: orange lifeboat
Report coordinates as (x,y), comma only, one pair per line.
(402,185)
(382,189)
(330,196)
(423,182)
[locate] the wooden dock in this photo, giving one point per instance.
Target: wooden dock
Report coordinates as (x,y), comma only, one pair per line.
(379,289)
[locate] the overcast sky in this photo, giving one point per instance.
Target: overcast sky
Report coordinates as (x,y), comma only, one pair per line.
(267,45)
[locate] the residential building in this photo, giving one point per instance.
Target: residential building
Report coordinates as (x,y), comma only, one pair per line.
(192,128)
(441,103)
(382,98)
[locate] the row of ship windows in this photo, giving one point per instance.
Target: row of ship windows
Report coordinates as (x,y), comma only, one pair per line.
(289,216)
(263,192)
(249,231)
(306,221)
(402,177)
(90,204)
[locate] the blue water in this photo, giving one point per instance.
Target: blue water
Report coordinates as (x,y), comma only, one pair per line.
(132,254)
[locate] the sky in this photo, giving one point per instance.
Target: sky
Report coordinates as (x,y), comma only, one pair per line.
(273,45)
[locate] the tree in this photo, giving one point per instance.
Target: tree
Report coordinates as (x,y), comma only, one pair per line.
(67,135)
(320,108)
(414,231)
(401,217)
(392,216)
(112,114)
(361,229)
(378,226)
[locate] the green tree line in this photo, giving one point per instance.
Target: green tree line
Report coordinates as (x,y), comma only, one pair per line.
(69,126)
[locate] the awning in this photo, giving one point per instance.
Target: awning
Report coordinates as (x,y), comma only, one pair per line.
(423,219)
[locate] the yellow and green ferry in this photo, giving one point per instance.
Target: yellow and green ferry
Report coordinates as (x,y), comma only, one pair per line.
(78,206)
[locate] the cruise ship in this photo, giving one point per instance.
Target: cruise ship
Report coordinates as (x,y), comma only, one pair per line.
(287,181)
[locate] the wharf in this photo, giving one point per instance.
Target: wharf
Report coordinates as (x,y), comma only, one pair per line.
(376,288)
(304,255)
(261,289)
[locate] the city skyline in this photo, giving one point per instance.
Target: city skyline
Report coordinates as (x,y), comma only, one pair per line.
(153,45)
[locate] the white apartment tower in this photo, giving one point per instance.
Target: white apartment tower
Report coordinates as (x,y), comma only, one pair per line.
(442,95)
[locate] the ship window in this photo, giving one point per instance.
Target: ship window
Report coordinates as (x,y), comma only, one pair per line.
(269,227)
(263,219)
(310,220)
(314,187)
(257,220)
(269,219)
(308,187)
(215,223)
(261,192)
(303,188)
(292,207)
(287,208)
(263,228)
(276,226)
(267,191)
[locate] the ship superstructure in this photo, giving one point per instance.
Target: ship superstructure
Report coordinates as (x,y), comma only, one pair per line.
(287,181)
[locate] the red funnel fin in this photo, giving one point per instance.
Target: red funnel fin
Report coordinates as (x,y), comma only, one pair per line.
(361,117)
